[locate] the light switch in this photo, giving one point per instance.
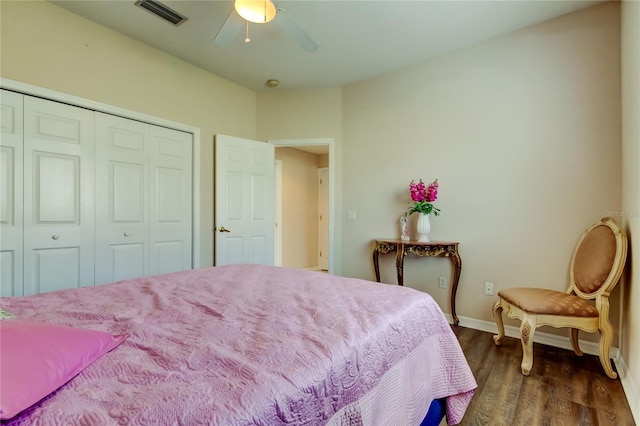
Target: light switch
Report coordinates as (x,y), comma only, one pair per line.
(351,215)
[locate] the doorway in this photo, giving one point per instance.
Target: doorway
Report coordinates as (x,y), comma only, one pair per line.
(299,237)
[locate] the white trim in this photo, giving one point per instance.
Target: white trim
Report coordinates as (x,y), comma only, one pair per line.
(549,339)
(321,170)
(277,234)
(41,92)
(312,268)
(332,167)
(631,389)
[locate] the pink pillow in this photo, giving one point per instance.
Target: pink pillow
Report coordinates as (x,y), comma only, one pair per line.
(36,359)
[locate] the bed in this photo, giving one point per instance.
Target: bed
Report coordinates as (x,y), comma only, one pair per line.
(246,345)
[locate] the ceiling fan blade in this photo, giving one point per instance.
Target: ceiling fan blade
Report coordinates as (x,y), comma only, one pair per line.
(229,30)
(298,34)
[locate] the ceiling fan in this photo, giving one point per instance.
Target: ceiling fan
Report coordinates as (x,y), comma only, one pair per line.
(261,12)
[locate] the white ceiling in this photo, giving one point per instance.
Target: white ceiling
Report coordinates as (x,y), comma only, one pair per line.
(358,39)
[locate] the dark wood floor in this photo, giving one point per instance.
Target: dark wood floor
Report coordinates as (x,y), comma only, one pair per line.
(562,388)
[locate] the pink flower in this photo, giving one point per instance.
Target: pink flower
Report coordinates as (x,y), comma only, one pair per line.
(423,196)
(418,191)
(415,192)
(432,191)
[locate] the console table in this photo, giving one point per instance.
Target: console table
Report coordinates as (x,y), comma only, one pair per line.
(422,249)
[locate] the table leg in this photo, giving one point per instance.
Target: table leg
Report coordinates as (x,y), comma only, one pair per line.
(457,267)
(400,264)
(376,266)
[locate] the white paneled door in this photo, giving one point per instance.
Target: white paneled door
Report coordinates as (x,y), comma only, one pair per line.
(11,188)
(89,198)
(58,196)
(244,197)
(143,215)
(170,197)
(122,179)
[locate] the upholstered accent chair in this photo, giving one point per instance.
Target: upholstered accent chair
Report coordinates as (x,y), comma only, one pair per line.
(596,267)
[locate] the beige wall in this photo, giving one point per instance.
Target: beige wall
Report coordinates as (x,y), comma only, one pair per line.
(523,133)
(630,345)
(300,114)
(299,208)
(323,160)
(47,46)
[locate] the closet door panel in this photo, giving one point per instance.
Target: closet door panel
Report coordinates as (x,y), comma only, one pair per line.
(127,261)
(9,274)
(127,193)
(56,268)
(11,194)
(171,200)
(56,188)
(58,196)
(122,180)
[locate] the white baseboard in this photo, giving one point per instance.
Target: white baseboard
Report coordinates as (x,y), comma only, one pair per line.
(630,387)
(312,268)
(631,390)
(556,341)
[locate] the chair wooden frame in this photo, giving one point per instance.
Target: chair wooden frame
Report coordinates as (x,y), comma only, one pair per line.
(531,320)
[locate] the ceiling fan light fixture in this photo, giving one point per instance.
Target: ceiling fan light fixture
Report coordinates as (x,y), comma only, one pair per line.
(257,11)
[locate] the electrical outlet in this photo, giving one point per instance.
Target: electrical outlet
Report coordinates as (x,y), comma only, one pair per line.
(488,289)
(443,282)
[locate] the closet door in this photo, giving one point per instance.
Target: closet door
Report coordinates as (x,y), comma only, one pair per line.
(122,201)
(143,201)
(170,233)
(58,196)
(11,188)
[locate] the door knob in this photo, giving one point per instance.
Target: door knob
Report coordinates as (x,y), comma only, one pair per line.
(55,237)
(223,229)
(126,234)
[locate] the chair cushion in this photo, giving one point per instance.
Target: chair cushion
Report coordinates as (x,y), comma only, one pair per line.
(548,302)
(594,259)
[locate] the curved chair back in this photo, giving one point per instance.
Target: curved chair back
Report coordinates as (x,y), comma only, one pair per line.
(598,259)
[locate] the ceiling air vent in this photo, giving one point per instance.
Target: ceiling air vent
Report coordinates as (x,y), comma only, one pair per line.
(162,11)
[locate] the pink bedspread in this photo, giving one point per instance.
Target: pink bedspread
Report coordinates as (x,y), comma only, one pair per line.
(252,345)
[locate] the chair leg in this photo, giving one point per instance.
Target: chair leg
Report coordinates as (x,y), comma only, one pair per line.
(606,337)
(497,315)
(527,329)
(574,341)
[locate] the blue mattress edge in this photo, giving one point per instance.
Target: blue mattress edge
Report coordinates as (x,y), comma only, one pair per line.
(436,413)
